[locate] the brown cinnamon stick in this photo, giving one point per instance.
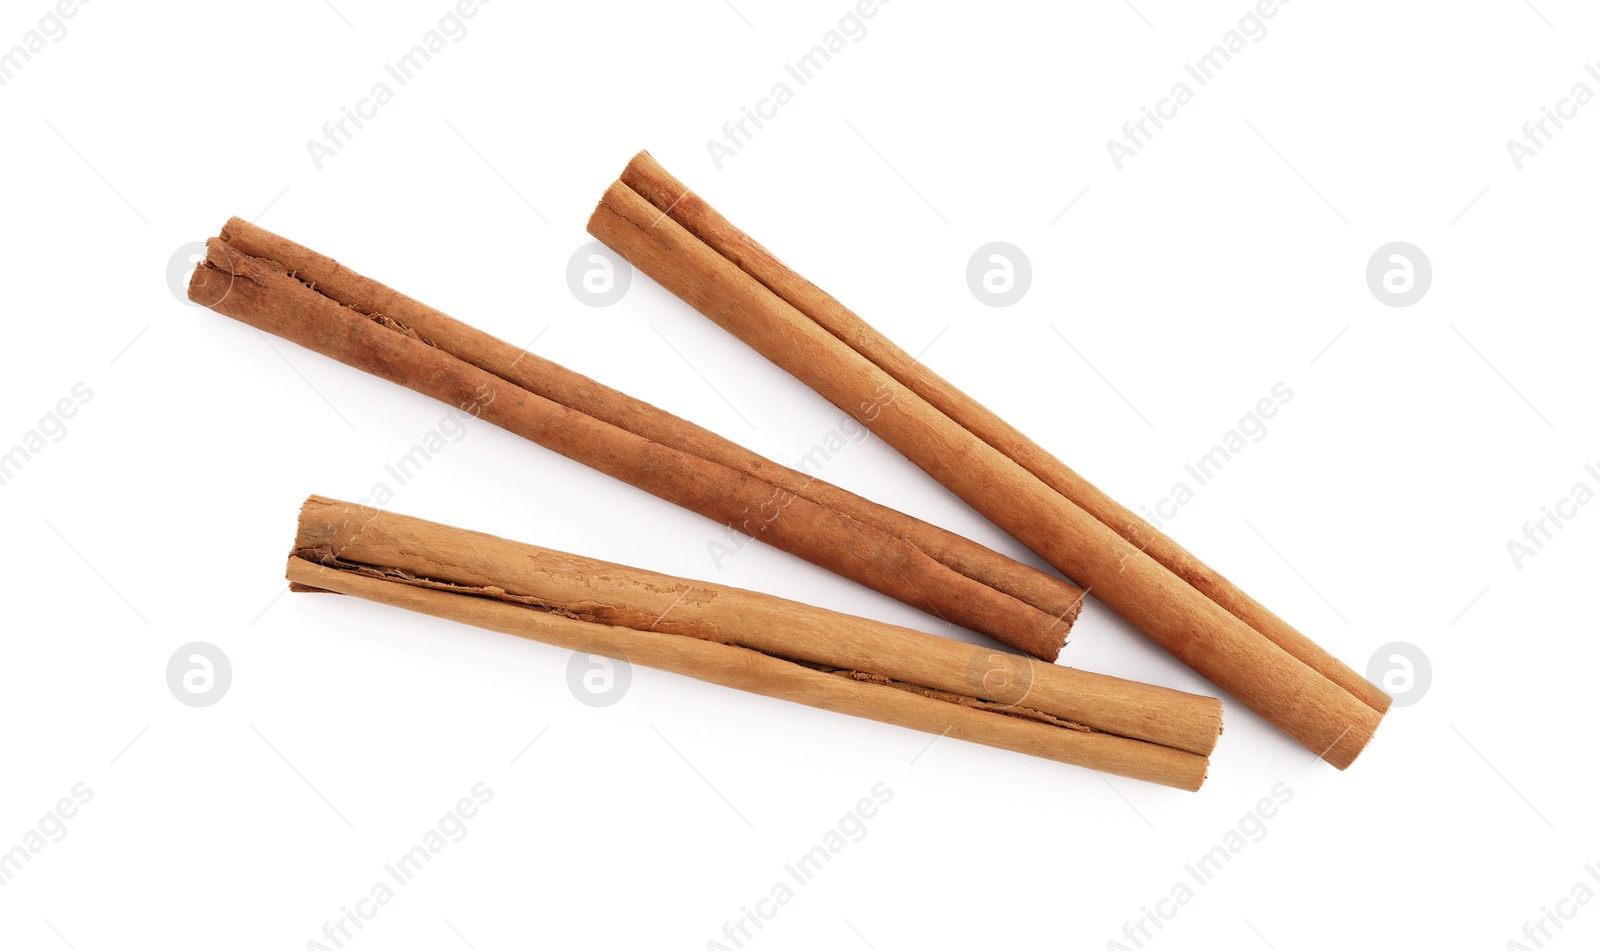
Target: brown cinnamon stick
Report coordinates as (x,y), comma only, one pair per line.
(675,237)
(758,643)
(656,185)
(288,290)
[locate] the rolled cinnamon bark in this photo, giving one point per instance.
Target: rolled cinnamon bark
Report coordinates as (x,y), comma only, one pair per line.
(673,236)
(285,289)
(758,643)
(656,185)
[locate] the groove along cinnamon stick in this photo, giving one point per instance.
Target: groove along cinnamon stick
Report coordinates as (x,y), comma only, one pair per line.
(285,289)
(675,237)
(758,643)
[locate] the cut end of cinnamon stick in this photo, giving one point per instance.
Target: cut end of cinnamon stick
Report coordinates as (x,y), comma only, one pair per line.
(1350,745)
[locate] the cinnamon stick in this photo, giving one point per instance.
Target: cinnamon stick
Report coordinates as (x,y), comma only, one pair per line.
(285,289)
(758,643)
(675,237)
(654,183)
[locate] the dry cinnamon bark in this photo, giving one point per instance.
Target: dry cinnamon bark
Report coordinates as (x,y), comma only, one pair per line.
(758,643)
(655,184)
(288,290)
(679,240)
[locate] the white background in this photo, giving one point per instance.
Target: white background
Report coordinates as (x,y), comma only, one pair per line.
(1167,299)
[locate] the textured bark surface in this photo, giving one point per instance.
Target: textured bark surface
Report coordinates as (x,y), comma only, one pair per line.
(758,643)
(676,238)
(285,289)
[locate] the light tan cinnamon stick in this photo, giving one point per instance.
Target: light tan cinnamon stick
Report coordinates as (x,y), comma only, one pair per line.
(672,235)
(283,288)
(758,643)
